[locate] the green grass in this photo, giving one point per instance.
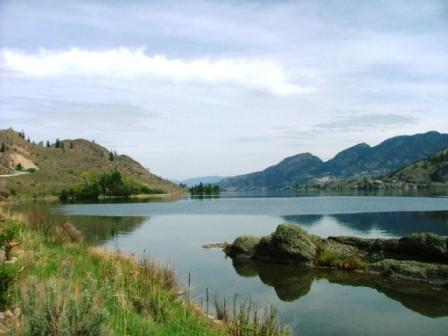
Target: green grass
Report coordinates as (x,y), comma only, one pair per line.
(326,258)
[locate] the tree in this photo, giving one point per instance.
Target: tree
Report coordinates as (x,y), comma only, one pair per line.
(71,145)
(48,144)
(19,167)
(3,148)
(62,145)
(111,156)
(57,144)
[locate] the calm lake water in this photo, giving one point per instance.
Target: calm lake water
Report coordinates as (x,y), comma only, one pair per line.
(314,302)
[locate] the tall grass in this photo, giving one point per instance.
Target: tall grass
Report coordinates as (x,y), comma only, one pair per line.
(246,318)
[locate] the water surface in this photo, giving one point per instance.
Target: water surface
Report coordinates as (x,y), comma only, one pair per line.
(313,302)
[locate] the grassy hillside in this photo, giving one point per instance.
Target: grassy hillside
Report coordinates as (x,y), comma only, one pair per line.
(432,170)
(60,166)
(428,173)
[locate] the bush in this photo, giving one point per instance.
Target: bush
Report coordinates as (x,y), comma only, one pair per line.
(7,274)
(57,309)
(9,231)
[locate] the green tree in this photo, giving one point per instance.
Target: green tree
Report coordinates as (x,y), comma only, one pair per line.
(19,167)
(71,145)
(111,156)
(57,144)
(48,144)
(3,148)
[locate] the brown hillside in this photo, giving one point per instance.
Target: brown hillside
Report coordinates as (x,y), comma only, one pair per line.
(59,168)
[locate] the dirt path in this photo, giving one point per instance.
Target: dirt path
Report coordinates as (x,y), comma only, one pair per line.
(15,174)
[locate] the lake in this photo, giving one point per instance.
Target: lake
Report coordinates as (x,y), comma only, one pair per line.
(313,302)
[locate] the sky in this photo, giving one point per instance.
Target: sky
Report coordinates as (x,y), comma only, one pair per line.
(195,88)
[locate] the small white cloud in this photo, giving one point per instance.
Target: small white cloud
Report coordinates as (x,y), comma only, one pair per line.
(129,63)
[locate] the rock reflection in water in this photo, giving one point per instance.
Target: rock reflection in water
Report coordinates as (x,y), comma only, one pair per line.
(293,282)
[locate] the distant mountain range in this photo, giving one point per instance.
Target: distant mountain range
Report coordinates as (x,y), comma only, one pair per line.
(359,160)
(202,179)
(45,169)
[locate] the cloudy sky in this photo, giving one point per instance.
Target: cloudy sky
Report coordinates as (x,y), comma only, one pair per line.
(193,88)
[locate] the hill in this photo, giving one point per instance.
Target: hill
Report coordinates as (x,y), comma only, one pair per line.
(432,170)
(356,161)
(43,170)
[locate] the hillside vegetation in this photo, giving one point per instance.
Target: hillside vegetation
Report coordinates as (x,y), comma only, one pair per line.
(357,161)
(432,170)
(47,169)
(428,173)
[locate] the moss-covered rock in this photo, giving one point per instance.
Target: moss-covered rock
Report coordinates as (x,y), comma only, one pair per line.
(411,270)
(427,246)
(421,256)
(243,246)
(294,243)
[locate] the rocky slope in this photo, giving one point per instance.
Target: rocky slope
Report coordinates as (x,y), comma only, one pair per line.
(359,160)
(420,257)
(51,169)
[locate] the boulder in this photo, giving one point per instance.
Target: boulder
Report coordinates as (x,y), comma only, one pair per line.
(425,246)
(243,246)
(411,270)
(360,243)
(293,243)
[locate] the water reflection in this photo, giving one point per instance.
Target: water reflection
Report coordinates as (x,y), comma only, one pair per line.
(95,229)
(291,283)
(396,224)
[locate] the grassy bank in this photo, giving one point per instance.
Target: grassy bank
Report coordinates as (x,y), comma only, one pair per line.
(56,285)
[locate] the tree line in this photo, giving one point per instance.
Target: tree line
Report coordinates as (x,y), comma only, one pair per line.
(109,184)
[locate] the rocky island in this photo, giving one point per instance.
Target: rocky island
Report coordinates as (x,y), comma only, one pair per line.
(419,257)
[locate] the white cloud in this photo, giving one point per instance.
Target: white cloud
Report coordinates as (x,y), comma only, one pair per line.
(126,63)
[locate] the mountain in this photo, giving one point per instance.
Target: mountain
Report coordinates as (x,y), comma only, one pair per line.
(359,160)
(295,169)
(51,169)
(202,179)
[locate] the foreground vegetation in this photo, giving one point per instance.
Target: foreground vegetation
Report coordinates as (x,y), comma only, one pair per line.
(53,284)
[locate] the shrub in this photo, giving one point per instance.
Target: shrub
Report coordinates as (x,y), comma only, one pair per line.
(7,274)
(57,309)
(9,231)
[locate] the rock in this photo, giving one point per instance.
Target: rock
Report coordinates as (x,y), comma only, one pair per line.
(341,250)
(243,246)
(427,246)
(360,243)
(385,245)
(17,312)
(9,314)
(214,245)
(411,270)
(293,243)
